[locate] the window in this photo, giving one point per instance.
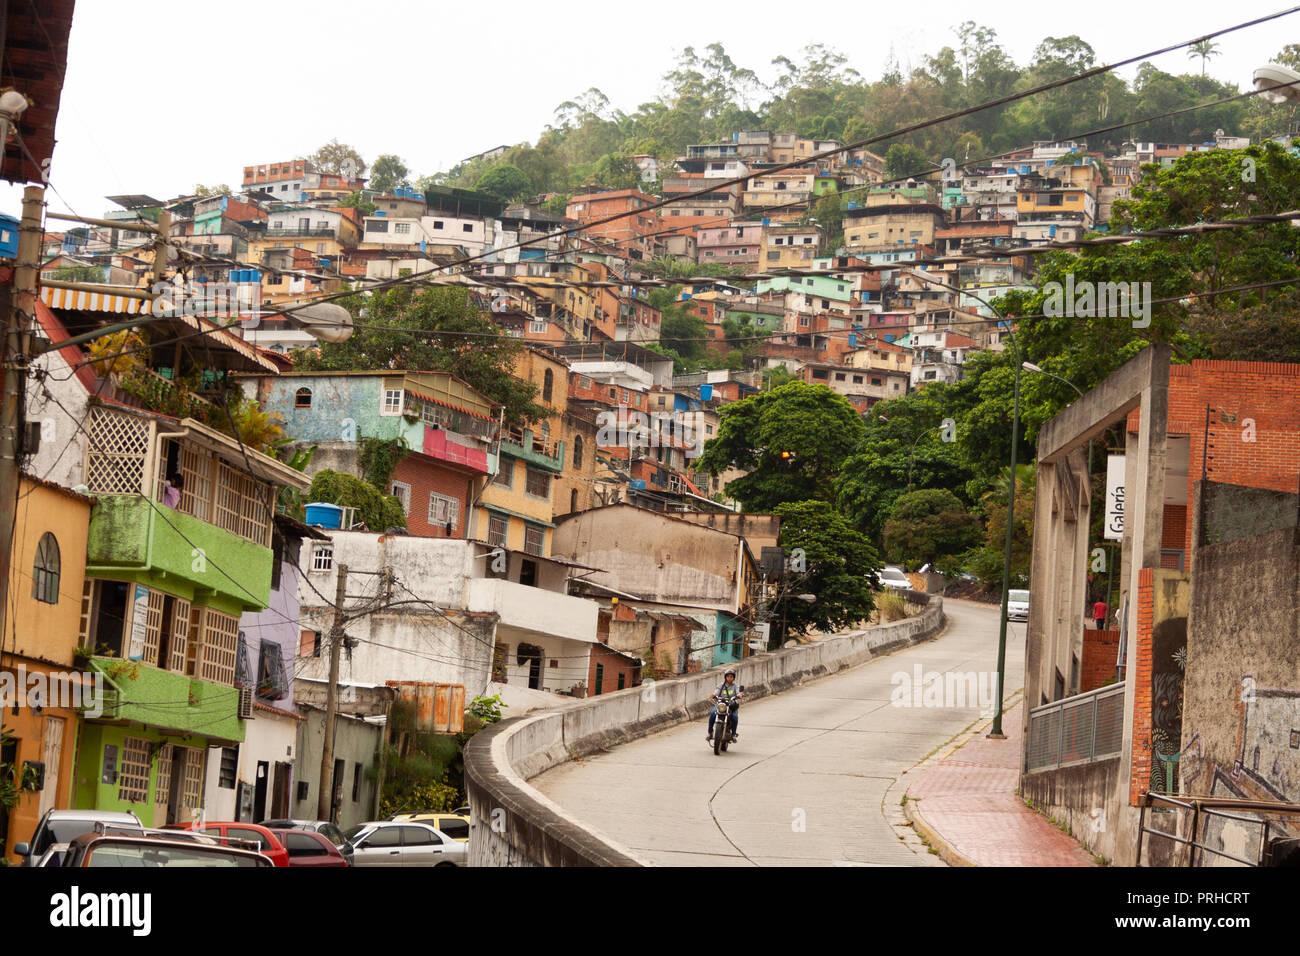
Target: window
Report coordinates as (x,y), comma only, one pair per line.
(356,783)
(537,483)
(322,556)
(548,385)
(497,531)
(376,225)
(444,511)
(302,398)
(229,771)
(468,227)
(45,575)
(505,473)
(402,228)
(392,402)
(534,539)
(402,492)
(133,779)
(309,644)
(577,451)
(437,224)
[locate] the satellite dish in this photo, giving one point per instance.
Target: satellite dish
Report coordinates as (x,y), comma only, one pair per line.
(324,320)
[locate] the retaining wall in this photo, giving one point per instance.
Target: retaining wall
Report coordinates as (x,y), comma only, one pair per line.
(515,825)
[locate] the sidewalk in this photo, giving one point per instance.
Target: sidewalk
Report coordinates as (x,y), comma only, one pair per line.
(966,807)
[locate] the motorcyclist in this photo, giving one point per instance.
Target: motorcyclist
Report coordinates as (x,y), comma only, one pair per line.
(728,690)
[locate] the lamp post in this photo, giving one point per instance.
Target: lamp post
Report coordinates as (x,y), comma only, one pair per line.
(995,731)
(1277,83)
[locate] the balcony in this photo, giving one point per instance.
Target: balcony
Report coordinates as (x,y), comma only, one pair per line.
(521,443)
(135,691)
(537,611)
(274,233)
(130,536)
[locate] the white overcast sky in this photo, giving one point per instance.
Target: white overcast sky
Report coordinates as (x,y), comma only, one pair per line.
(161,95)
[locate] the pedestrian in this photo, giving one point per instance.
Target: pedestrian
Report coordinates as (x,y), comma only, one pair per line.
(172,490)
(1099,611)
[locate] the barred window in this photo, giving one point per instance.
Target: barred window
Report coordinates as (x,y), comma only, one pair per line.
(192,794)
(497,526)
(45,575)
(322,557)
(133,777)
(229,767)
(538,483)
(214,648)
(443,511)
(534,539)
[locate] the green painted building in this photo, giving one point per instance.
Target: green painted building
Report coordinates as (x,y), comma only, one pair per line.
(167,577)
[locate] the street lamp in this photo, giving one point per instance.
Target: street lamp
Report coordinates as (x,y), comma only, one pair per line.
(1277,83)
(996,730)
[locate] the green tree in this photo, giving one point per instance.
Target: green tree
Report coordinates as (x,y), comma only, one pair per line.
(904,160)
(377,511)
(792,442)
(1204,49)
(506,182)
(433,329)
(986,560)
(930,526)
(218,190)
(338,159)
(388,173)
(841,566)
(362,205)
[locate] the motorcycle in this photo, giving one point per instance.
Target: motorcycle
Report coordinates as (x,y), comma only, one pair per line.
(724,726)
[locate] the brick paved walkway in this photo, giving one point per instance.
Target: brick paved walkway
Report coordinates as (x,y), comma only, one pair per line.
(968,803)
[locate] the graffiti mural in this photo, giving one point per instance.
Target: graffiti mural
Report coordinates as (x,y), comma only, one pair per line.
(1168,668)
(1265,766)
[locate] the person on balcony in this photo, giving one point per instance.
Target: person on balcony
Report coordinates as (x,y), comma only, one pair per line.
(172,488)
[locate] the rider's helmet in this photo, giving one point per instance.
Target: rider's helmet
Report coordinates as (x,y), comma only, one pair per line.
(728,673)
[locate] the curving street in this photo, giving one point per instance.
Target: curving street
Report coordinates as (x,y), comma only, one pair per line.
(813,778)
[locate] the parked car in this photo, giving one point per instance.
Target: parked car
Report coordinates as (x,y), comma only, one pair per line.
(1017,605)
(400,843)
(57,828)
(331,831)
(254,833)
(311,848)
(893,579)
(152,850)
(452,824)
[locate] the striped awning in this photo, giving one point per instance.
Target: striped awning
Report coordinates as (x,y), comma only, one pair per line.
(80,301)
(138,302)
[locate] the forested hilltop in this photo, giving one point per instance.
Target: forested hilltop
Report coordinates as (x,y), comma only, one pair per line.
(707,96)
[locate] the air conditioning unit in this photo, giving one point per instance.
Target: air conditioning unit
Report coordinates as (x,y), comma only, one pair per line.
(245,703)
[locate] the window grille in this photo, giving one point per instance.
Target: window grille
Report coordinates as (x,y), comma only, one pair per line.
(218,646)
(133,774)
(45,574)
(116,452)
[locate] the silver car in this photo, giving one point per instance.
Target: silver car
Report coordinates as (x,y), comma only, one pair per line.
(1017,605)
(404,843)
(893,579)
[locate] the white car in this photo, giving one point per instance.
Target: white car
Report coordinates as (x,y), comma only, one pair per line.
(1017,605)
(893,579)
(58,827)
(404,843)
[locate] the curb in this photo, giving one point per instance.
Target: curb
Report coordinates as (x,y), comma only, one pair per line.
(932,837)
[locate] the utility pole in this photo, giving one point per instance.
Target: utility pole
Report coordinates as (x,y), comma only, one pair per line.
(325,801)
(19,313)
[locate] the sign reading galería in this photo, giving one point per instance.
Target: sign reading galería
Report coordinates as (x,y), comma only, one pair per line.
(1113,529)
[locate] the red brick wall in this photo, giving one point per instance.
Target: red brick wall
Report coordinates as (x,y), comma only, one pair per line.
(425,476)
(600,393)
(1100,649)
(1264,455)
(614,664)
(1140,766)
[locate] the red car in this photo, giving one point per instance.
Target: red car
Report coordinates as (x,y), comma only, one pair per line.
(309,848)
(268,844)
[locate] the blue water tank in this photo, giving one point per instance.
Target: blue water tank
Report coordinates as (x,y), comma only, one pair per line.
(706,393)
(324,514)
(853,340)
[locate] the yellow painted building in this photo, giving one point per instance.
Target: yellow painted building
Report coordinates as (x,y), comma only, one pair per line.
(515,509)
(38,671)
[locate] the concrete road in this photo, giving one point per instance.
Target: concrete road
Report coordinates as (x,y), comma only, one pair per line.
(819,771)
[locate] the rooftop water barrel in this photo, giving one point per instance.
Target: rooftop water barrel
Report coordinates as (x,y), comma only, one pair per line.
(324,514)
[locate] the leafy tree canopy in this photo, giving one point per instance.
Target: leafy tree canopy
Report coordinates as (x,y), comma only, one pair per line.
(841,567)
(814,427)
(434,329)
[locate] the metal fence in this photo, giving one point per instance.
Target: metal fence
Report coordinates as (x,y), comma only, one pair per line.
(1078,729)
(1266,832)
